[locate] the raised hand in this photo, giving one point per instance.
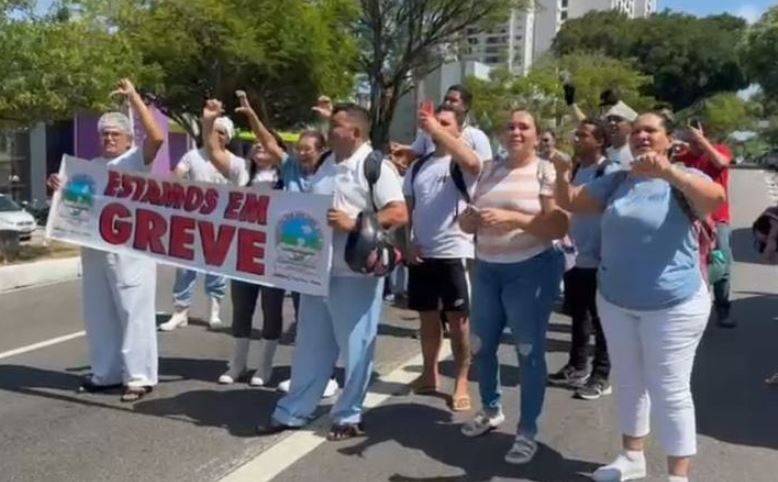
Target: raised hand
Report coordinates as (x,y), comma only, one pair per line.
(427,121)
(124,88)
(245,106)
(213,109)
(323,107)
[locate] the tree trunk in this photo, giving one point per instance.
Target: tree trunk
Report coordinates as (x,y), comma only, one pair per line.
(382,114)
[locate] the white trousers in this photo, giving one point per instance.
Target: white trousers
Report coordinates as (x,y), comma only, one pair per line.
(652,354)
(119,294)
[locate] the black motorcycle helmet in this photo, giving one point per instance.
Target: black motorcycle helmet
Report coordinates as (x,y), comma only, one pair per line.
(369,249)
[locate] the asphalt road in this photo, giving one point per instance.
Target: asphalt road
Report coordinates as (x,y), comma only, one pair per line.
(192,429)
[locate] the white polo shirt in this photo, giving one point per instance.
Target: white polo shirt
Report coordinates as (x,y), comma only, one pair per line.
(346,182)
(475,138)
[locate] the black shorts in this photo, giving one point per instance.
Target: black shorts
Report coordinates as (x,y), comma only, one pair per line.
(439,284)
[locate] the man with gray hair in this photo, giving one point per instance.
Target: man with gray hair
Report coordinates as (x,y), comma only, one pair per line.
(119,289)
(196,166)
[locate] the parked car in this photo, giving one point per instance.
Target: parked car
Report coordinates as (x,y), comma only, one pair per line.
(14,218)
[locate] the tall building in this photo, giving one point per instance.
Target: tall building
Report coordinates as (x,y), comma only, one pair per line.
(526,36)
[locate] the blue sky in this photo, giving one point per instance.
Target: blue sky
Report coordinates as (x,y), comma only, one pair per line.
(749,9)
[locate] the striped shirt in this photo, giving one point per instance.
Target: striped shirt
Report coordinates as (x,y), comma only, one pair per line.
(514,189)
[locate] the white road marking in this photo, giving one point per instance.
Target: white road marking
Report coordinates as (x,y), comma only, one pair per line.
(270,463)
(42,344)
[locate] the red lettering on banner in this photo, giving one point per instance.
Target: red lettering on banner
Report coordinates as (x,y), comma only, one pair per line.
(150,227)
(250,251)
(211,200)
(233,205)
(172,195)
(114,181)
(112,230)
(181,237)
(153,194)
(215,247)
(255,209)
(194,198)
(140,184)
(126,187)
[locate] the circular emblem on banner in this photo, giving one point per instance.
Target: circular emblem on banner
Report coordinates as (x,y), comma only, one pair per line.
(298,238)
(78,197)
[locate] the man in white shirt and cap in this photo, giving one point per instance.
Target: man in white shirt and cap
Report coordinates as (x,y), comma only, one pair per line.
(619,119)
(196,166)
(119,289)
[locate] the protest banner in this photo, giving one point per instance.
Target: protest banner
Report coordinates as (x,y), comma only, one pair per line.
(270,237)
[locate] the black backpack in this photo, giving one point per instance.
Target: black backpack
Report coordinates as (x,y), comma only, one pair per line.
(457,176)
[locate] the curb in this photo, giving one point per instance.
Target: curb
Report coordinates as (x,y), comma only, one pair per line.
(39,273)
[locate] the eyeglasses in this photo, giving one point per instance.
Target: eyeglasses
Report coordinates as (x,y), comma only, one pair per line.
(111,134)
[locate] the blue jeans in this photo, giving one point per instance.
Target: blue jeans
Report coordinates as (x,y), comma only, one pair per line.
(345,322)
(721,287)
(520,295)
(183,288)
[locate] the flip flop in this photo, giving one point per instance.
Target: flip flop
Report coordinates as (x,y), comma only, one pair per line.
(133,394)
(461,403)
(345,431)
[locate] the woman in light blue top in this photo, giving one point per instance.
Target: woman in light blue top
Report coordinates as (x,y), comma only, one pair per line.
(652,300)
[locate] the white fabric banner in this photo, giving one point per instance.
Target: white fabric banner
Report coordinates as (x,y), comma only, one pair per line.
(269,237)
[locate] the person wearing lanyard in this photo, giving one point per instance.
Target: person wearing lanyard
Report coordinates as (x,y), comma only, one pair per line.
(120,289)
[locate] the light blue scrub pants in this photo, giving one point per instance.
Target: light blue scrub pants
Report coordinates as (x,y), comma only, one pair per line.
(345,322)
(183,288)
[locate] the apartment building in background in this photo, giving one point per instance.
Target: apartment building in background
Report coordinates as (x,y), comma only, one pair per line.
(528,35)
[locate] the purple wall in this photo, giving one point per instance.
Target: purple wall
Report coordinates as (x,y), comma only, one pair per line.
(178,145)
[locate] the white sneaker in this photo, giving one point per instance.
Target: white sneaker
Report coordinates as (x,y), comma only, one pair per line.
(629,465)
(283,387)
(331,389)
(265,352)
(214,320)
(482,423)
(179,320)
(238,362)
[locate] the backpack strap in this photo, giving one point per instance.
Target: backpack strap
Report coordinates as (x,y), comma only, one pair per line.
(601,169)
(416,167)
(372,171)
(459,180)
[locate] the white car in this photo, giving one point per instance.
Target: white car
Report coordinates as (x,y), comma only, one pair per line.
(14,218)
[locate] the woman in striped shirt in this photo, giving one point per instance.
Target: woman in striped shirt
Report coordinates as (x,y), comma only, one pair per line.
(516,279)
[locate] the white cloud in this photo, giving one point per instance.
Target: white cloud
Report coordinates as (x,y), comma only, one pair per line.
(749,12)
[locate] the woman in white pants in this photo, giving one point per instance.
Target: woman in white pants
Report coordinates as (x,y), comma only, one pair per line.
(652,299)
(119,289)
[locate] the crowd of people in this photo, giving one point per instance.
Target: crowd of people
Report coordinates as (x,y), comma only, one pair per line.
(487,240)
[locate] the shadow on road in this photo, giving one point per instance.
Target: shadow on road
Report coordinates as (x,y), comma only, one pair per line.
(733,403)
(479,459)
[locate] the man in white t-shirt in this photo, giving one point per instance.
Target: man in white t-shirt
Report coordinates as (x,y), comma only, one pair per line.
(458,98)
(346,321)
(119,290)
(438,186)
(195,166)
(619,119)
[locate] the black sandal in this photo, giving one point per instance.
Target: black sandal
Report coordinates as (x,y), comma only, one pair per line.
(345,431)
(273,427)
(133,394)
(87,386)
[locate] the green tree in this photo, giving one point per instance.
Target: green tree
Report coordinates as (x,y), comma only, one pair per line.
(404,40)
(283,54)
(689,58)
(52,68)
(760,51)
(541,90)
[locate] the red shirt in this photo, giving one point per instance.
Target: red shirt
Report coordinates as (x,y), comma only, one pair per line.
(718,174)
